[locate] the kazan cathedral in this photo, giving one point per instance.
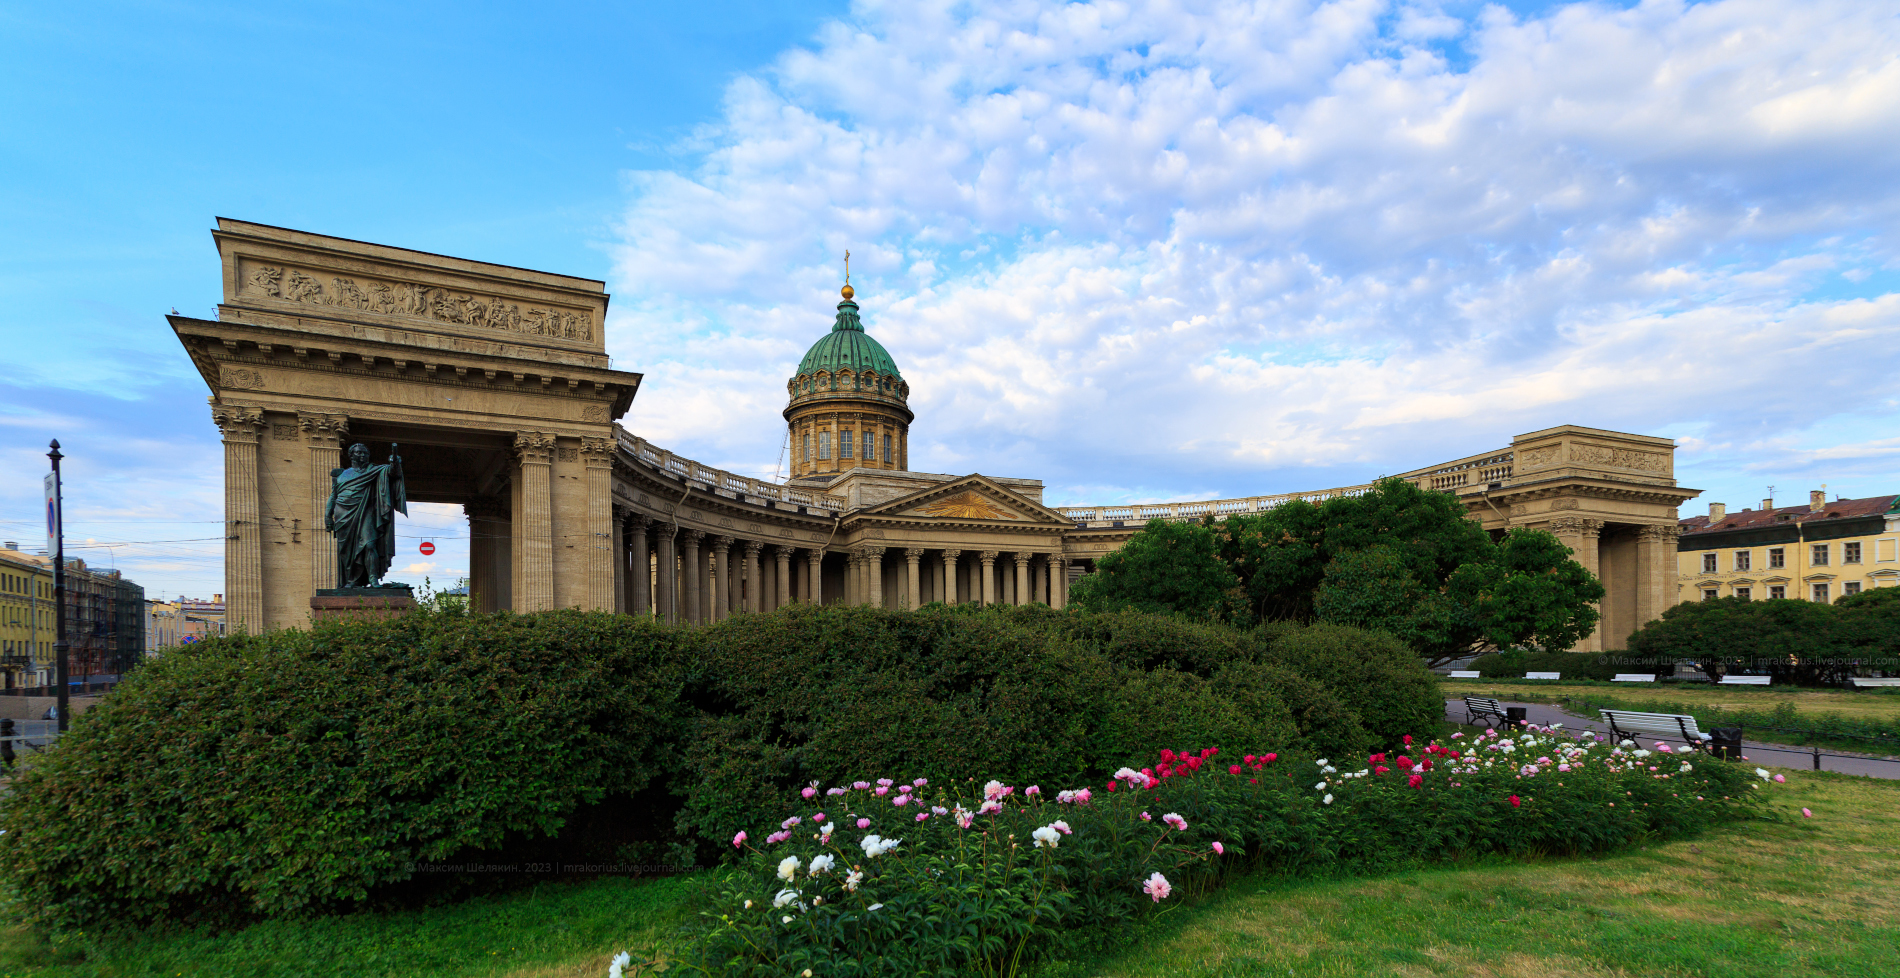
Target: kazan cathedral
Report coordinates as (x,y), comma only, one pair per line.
(495,382)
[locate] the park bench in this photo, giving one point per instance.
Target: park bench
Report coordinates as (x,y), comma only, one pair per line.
(1864,681)
(1629,725)
(1634,677)
(1543,675)
(1464,674)
(1479,707)
(1745,680)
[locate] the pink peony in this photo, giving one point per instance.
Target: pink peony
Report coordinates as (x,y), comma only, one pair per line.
(864,823)
(922,815)
(818,817)
(1780,779)
(1516,802)
(1407,740)
(1032,790)
(1146,817)
(883,790)
(1415,780)
(1179,823)
(1233,769)
(808,792)
(1220,850)
(901,800)
(1806,814)
(1082,796)
(1157,887)
(738,840)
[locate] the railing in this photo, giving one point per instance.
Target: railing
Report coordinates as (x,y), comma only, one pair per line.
(731,483)
(1476,470)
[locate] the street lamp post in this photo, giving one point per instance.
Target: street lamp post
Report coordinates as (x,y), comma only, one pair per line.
(56,527)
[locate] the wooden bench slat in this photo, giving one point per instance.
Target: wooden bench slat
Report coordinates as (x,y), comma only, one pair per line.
(1465,674)
(1746,680)
(1634,677)
(1543,675)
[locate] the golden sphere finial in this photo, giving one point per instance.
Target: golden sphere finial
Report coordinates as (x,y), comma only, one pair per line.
(847,292)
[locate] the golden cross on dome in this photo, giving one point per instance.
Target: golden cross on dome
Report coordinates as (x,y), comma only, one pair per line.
(847,291)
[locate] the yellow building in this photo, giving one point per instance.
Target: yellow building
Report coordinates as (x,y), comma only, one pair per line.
(27,625)
(1819,552)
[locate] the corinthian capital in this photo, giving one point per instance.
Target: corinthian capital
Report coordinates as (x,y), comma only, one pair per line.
(534,446)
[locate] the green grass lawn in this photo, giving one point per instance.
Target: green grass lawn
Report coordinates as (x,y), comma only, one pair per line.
(552,930)
(1789,896)
(1781,898)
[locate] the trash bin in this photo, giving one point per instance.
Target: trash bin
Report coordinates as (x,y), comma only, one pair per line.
(1514,715)
(1726,743)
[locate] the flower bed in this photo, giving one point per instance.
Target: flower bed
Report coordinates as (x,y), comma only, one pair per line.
(919,878)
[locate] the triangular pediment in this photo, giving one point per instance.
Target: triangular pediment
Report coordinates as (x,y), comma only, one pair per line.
(973,497)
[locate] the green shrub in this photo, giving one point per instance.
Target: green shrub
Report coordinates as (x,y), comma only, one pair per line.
(1375,674)
(1327,726)
(812,694)
(299,771)
(1572,665)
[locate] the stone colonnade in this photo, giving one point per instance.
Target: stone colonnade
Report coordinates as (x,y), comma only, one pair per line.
(1636,563)
(683,574)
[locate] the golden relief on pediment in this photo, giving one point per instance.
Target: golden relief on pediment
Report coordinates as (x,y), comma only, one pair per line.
(967,505)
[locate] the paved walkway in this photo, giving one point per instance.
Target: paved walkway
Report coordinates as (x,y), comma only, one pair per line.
(1766,755)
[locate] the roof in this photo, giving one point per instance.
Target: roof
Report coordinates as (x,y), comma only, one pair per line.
(1754,519)
(848,347)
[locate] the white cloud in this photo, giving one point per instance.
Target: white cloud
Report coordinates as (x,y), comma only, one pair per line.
(1145,248)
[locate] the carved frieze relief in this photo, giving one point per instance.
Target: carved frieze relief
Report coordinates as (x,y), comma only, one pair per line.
(241,378)
(1538,458)
(417,301)
(1621,458)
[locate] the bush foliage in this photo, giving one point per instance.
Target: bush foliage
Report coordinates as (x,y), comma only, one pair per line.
(1797,642)
(300,771)
(304,771)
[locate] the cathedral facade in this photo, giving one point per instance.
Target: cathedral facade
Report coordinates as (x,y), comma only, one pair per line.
(495,383)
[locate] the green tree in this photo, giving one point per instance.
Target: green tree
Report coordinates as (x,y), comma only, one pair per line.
(1282,555)
(1797,642)
(1524,591)
(1167,568)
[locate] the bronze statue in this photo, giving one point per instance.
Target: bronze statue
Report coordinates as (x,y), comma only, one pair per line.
(363,501)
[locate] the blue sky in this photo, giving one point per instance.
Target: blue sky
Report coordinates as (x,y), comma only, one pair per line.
(1138,250)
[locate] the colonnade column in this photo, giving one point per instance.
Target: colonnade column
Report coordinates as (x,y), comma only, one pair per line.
(1655,571)
(911,557)
(1040,584)
(950,558)
(596,546)
(1023,595)
(722,577)
(784,555)
(325,434)
(1581,536)
(532,525)
(640,566)
(666,576)
(989,578)
(622,602)
(874,569)
(689,569)
(753,597)
(814,577)
(1058,581)
(243,537)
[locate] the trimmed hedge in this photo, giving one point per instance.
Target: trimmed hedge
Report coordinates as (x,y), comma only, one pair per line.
(310,771)
(300,771)
(1374,673)
(1572,665)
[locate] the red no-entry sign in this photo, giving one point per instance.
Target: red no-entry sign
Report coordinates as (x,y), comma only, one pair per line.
(427,548)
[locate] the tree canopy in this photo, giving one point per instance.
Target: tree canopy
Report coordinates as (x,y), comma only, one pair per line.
(1396,558)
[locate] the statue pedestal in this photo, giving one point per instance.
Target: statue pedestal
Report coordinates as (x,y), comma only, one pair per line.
(360,602)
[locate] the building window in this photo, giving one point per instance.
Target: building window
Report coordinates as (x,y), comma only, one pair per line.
(1850,552)
(1708,563)
(1708,594)
(1851,587)
(1777,557)
(1820,593)
(870,446)
(808,447)
(887,449)
(1742,559)
(844,444)
(1776,592)
(824,445)
(1818,555)
(1743,593)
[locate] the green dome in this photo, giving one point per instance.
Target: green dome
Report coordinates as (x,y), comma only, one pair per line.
(848,347)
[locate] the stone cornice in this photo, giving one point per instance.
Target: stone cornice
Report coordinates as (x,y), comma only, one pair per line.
(211,344)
